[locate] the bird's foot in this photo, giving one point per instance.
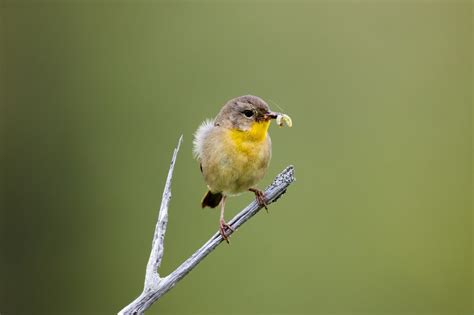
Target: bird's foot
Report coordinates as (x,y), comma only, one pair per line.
(260,197)
(223,226)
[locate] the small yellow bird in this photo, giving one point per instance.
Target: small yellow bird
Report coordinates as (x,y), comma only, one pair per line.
(234,151)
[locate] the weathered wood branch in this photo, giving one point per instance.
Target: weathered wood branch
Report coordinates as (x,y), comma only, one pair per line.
(156,286)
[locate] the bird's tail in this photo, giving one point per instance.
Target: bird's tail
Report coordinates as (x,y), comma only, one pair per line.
(211,200)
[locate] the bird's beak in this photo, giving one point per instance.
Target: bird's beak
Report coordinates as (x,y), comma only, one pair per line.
(271,115)
(281,119)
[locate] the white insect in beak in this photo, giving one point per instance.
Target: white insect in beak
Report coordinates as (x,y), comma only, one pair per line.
(283,119)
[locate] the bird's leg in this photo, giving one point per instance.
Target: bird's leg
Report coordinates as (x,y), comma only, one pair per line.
(260,197)
(222,224)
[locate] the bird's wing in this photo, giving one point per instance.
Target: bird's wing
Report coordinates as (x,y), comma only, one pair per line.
(199,137)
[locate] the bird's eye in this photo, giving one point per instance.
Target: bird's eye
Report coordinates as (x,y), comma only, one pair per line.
(248,113)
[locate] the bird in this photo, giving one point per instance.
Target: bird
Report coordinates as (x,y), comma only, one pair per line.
(234,150)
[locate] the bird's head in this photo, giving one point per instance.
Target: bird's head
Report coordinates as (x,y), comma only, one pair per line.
(244,113)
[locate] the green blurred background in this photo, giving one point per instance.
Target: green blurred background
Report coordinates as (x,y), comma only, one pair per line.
(94,96)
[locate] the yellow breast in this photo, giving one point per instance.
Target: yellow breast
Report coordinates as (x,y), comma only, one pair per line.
(249,141)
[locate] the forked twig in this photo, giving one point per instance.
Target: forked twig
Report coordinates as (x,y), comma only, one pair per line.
(156,286)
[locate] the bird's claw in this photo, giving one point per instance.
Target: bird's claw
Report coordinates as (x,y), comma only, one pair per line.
(223,226)
(260,197)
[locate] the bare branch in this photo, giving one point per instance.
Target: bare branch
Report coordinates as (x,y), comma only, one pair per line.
(155,286)
(152,276)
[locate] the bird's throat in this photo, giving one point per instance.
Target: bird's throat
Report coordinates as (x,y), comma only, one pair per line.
(256,134)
